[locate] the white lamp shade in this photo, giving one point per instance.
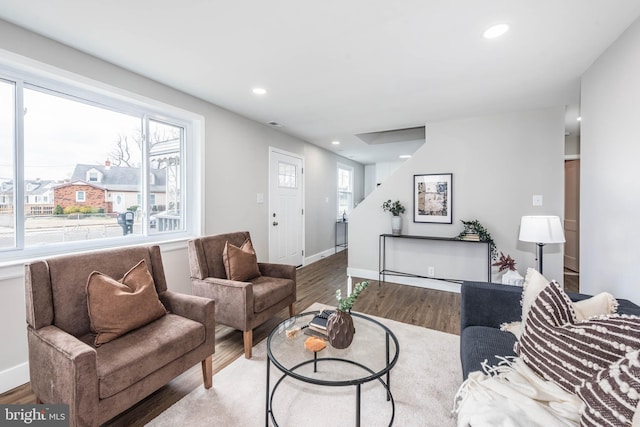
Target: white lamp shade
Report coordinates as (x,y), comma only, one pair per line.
(541,229)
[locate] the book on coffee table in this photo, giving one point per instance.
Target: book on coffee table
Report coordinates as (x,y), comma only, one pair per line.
(315,333)
(319,321)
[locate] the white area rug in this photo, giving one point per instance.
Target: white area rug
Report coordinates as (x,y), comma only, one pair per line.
(423,382)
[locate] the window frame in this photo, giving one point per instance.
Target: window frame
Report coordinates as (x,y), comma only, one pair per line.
(28,74)
(351,170)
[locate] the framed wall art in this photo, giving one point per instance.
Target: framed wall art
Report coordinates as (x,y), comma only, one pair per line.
(432,196)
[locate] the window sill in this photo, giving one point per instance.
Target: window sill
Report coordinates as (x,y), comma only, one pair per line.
(14,269)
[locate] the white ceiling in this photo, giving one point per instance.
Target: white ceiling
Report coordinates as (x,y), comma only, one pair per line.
(337,68)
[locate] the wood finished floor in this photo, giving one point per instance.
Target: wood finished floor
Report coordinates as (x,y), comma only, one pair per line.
(316,283)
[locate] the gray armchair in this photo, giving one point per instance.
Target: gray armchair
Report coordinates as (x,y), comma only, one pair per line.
(99,382)
(240,305)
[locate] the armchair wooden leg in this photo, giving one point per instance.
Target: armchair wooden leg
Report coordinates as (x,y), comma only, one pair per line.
(292,310)
(207,371)
(248,343)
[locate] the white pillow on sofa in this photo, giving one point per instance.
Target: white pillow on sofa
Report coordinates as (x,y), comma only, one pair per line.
(534,282)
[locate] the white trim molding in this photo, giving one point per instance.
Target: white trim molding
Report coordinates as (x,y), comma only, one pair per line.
(14,377)
(440,285)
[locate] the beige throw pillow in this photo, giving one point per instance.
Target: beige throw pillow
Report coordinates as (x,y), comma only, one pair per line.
(240,263)
(119,306)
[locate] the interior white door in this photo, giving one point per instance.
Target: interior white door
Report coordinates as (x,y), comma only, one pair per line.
(572,214)
(285,208)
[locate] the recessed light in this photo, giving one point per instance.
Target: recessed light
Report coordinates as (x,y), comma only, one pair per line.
(495,31)
(259,91)
(275,124)
(579,118)
(405,156)
(335,142)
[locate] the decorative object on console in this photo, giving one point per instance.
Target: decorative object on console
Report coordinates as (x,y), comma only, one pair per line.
(475,231)
(511,277)
(396,208)
(541,230)
(340,329)
(432,197)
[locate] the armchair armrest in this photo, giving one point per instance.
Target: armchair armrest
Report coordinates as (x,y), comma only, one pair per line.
(234,300)
(63,369)
(284,271)
(489,304)
(199,309)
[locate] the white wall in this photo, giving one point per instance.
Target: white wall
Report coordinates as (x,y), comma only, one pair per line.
(370,183)
(610,176)
(498,163)
(235,164)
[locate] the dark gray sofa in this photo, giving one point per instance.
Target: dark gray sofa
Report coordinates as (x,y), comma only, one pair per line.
(483,308)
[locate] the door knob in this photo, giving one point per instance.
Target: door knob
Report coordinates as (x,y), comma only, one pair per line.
(275,223)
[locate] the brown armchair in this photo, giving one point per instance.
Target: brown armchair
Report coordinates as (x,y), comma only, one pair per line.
(240,305)
(99,382)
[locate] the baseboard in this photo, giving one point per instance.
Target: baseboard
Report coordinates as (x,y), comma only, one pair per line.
(14,377)
(320,255)
(439,285)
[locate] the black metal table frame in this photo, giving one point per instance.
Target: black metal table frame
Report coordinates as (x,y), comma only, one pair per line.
(382,257)
(345,243)
(290,372)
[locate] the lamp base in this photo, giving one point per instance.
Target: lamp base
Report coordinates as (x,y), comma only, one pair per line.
(540,246)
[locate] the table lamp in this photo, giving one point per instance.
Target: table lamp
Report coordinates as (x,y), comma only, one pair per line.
(541,230)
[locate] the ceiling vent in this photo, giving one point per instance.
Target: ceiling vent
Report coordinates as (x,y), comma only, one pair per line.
(391,136)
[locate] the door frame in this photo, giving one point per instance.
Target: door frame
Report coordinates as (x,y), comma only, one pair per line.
(273,150)
(570,157)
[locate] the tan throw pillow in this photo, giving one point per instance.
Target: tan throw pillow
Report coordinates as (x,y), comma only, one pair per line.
(534,282)
(240,263)
(119,306)
(597,305)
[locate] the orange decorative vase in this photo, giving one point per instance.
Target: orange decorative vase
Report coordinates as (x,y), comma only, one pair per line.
(340,329)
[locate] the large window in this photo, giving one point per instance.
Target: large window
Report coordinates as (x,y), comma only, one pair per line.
(345,190)
(80,161)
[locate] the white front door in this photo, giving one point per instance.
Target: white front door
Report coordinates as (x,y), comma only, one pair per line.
(285,208)
(118,200)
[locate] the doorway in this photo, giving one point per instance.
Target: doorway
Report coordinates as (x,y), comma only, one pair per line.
(286,191)
(572,223)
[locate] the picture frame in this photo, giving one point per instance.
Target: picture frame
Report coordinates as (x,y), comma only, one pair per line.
(432,198)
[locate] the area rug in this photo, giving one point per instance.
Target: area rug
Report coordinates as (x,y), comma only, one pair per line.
(423,382)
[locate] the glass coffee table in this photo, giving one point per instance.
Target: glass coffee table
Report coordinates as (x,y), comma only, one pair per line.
(370,358)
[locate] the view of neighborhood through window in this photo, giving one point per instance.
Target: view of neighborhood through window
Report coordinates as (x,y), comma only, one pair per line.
(7,132)
(83,171)
(345,190)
